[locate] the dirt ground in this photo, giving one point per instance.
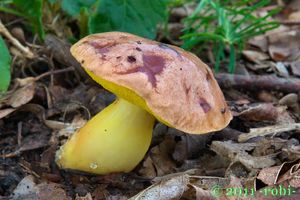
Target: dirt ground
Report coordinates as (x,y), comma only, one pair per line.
(256,157)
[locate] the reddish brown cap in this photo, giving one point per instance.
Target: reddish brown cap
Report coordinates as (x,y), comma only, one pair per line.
(177,87)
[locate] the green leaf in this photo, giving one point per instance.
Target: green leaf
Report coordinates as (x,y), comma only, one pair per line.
(5,61)
(73,7)
(52,1)
(133,16)
(32,10)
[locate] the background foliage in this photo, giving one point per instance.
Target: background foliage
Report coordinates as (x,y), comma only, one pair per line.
(5,61)
(226,24)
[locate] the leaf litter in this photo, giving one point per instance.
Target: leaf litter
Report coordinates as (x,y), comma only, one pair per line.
(260,149)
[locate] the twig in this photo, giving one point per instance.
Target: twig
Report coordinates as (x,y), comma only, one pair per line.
(290,22)
(19,134)
(255,132)
(27,52)
(261,82)
(53,72)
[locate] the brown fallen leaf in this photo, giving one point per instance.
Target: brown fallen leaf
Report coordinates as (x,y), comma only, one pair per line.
(148,169)
(295,67)
(280,69)
(6,112)
(161,156)
(22,96)
(294,16)
(260,112)
(46,191)
(260,42)
(237,152)
(202,194)
(269,175)
(274,129)
(164,190)
(88,196)
(71,128)
(279,52)
(27,189)
(291,101)
(255,56)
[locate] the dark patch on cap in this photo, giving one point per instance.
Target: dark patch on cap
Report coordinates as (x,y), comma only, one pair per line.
(99,48)
(152,65)
(131,59)
(180,69)
(138,49)
(118,57)
(82,61)
(164,46)
(204,105)
(223,110)
(187,90)
(139,42)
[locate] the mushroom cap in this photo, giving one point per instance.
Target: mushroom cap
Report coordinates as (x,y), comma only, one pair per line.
(172,84)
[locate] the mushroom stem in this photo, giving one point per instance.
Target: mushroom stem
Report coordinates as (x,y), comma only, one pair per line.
(114,140)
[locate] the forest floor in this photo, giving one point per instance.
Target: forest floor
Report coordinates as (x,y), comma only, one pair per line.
(256,157)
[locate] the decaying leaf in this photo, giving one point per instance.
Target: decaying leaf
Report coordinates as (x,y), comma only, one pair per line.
(260,112)
(295,67)
(238,152)
(88,196)
(148,169)
(255,132)
(27,189)
(6,112)
(71,128)
(22,96)
(165,190)
(255,56)
(161,157)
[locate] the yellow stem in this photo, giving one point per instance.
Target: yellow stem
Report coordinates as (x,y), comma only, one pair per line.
(114,140)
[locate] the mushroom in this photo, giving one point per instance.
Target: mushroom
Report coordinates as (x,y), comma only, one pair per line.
(151,80)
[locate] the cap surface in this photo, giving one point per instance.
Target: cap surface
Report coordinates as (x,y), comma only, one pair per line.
(171,83)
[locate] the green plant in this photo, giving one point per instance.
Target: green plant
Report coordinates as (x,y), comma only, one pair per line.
(226,24)
(5,61)
(133,16)
(30,10)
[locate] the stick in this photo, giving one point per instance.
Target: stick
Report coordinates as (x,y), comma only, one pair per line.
(27,52)
(274,129)
(262,82)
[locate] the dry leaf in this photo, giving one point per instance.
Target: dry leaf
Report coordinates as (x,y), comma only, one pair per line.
(295,67)
(6,112)
(260,42)
(295,16)
(255,56)
(22,96)
(26,189)
(88,196)
(255,132)
(281,70)
(161,156)
(148,169)
(202,194)
(166,189)
(260,112)
(238,153)
(47,191)
(269,175)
